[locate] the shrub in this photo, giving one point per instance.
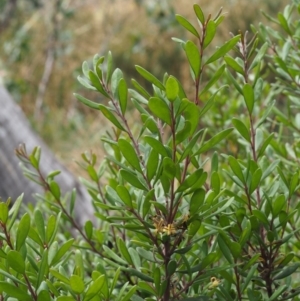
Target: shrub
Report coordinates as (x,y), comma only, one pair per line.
(197,202)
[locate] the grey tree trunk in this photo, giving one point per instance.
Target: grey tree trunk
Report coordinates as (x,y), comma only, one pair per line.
(15,129)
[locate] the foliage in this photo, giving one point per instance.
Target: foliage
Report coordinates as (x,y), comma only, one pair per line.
(180,215)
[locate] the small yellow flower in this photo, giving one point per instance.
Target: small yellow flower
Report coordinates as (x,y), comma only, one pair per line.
(214,282)
(158,223)
(169,229)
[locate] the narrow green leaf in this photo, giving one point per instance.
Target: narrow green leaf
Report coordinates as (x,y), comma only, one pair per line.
(259,56)
(211,29)
(132,179)
(109,68)
(241,128)
(197,200)
(62,251)
(191,113)
(94,288)
(184,133)
(77,285)
(123,94)
(110,116)
(40,225)
(172,88)
(87,102)
(190,180)
(123,250)
(213,80)
(14,291)
(194,58)
(124,195)
(187,25)
(88,229)
(22,231)
(97,84)
(149,77)
(43,269)
(213,141)
(287,271)
(249,97)
(129,154)
(160,109)
(236,168)
(15,261)
(199,13)
(152,164)
(55,190)
(223,49)
(157,145)
(169,168)
(256,177)
(231,62)
(3,212)
(283,22)
(13,212)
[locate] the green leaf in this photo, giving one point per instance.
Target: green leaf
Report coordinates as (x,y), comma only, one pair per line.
(123,94)
(241,128)
(187,25)
(3,212)
(278,204)
(129,154)
(77,285)
(62,251)
(197,200)
(190,180)
(259,56)
(14,291)
(213,80)
(249,97)
(149,77)
(55,190)
(43,269)
(13,212)
(171,268)
(129,293)
(132,179)
(123,250)
(184,133)
(191,114)
(110,116)
(194,58)
(160,109)
(146,287)
(16,261)
(231,62)
(283,22)
(287,271)
(152,164)
(169,168)
(96,83)
(256,177)
(236,168)
(94,288)
(223,49)
(40,225)
(22,231)
(213,141)
(88,229)
(211,29)
(172,88)
(199,13)
(115,79)
(156,145)
(87,102)
(124,195)
(109,69)
(44,296)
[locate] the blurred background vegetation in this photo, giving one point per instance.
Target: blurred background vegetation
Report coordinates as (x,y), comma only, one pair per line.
(43,44)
